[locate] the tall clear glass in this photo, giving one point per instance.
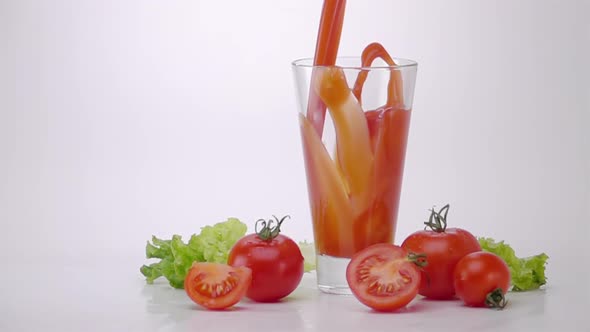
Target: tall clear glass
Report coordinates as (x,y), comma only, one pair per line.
(354,125)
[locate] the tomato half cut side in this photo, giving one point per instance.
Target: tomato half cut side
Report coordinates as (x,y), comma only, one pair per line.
(217,286)
(383,277)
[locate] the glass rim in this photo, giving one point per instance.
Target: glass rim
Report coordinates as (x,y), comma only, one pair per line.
(400,63)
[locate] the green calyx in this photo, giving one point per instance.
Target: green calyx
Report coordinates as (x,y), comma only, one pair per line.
(495,299)
(438,220)
(268,229)
(418,259)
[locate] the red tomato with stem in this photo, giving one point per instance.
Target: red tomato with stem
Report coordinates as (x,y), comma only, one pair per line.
(275,260)
(482,279)
(217,286)
(444,247)
(384,277)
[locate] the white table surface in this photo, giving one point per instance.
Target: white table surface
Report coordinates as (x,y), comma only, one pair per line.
(111,295)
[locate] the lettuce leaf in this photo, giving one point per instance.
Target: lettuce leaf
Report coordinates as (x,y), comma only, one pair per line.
(176,257)
(308,252)
(526,273)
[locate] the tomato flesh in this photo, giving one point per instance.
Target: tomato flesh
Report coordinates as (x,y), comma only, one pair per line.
(217,286)
(478,274)
(382,277)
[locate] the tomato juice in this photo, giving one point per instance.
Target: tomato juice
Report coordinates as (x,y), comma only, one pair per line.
(342,228)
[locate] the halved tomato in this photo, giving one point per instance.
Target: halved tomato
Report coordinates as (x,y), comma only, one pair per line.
(217,286)
(384,276)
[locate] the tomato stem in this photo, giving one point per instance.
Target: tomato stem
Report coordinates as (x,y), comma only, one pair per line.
(438,220)
(496,299)
(268,231)
(418,259)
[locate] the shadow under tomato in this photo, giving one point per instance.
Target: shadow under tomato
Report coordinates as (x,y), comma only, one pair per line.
(279,305)
(413,307)
(235,308)
(426,299)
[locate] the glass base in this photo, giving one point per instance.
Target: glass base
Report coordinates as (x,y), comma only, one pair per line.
(331,274)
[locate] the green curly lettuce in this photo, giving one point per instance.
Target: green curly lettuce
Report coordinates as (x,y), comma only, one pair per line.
(526,273)
(176,257)
(308,252)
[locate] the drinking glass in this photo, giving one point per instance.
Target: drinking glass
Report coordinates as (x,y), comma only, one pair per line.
(354,124)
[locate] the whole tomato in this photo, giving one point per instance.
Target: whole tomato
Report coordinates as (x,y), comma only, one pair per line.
(275,260)
(482,279)
(443,247)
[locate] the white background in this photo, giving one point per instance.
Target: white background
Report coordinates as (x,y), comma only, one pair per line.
(123,119)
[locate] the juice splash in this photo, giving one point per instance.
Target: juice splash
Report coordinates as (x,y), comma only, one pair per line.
(354,196)
(353,147)
(341,228)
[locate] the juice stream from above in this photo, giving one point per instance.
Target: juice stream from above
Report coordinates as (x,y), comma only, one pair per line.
(326,51)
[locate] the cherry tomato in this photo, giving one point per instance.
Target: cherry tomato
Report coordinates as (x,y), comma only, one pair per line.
(217,286)
(444,247)
(482,278)
(275,260)
(384,276)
